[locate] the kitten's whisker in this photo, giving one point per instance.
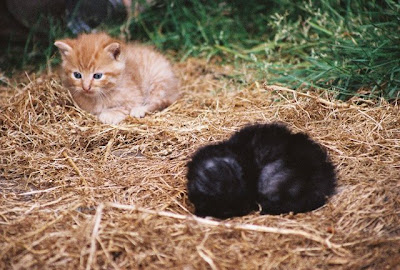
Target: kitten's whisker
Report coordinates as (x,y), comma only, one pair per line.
(104,97)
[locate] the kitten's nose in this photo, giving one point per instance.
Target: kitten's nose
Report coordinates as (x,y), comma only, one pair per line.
(86,89)
(86,86)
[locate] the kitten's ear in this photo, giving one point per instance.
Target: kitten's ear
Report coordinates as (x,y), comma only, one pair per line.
(64,47)
(114,49)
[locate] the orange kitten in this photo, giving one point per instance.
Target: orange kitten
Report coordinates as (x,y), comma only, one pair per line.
(112,79)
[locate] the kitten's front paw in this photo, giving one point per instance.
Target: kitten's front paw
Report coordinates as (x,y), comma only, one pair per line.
(111,117)
(138,112)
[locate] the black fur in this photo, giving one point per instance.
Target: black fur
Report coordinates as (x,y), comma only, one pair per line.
(265,164)
(294,172)
(216,183)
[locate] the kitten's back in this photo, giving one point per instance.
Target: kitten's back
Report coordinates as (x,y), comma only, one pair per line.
(296,174)
(152,71)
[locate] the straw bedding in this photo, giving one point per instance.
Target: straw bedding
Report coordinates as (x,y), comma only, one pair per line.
(77,194)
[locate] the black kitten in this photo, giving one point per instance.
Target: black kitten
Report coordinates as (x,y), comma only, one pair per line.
(265,164)
(294,172)
(217,183)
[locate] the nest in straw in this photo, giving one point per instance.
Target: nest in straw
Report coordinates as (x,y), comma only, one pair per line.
(79,194)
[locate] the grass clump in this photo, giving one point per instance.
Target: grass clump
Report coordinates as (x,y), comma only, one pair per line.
(350,47)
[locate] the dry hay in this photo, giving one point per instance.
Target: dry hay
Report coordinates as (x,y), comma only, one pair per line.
(76,194)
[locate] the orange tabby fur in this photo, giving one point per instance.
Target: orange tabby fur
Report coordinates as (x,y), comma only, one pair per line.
(135,78)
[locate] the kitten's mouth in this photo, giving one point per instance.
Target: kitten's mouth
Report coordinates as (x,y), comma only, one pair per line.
(88,93)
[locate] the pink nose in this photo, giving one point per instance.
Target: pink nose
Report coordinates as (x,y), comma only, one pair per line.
(87,89)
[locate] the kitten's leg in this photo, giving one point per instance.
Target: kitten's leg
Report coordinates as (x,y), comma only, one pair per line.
(139,111)
(159,96)
(112,116)
(155,105)
(152,105)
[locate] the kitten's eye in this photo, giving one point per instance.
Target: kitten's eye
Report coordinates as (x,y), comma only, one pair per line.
(77,75)
(97,76)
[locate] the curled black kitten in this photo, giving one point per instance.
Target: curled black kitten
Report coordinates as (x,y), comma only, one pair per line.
(265,164)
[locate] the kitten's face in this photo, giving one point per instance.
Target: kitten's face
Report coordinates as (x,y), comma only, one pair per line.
(92,64)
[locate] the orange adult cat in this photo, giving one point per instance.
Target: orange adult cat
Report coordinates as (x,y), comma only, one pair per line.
(112,79)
